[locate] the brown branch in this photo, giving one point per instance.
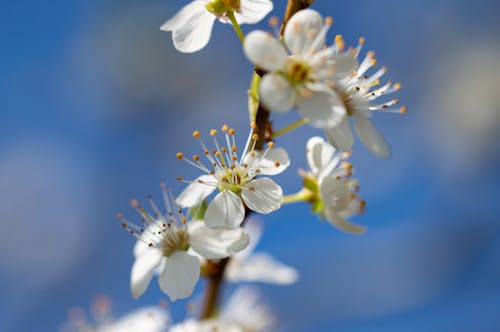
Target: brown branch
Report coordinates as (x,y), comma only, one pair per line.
(263,129)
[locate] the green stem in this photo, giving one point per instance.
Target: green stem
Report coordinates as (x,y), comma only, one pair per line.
(289,128)
(236,26)
(303,195)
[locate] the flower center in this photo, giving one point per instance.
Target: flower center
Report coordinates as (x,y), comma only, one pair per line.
(298,71)
(174,239)
(233,179)
(221,7)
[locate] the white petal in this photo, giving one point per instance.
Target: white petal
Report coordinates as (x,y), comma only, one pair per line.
(179,276)
(371,138)
(196,192)
(265,51)
(253,11)
(300,29)
(146,319)
(319,154)
(262,195)
(186,13)
(261,267)
(335,193)
(343,224)
(225,211)
(253,228)
(267,165)
(322,107)
(341,136)
(143,269)
(216,243)
(194,33)
(277,93)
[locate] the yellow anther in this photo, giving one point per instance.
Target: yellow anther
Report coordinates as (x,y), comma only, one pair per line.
(273,21)
(361,40)
(329,20)
(403,109)
(234,149)
(346,165)
(183,219)
(277,164)
(270,145)
(196,157)
(179,178)
(397,86)
(370,54)
(253,125)
(255,137)
(196,134)
(232,131)
(213,132)
(179,155)
(225,127)
(395,101)
(374,62)
(224,149)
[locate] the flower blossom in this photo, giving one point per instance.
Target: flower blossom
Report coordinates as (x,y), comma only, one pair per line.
(192,26)
(249,266)
(235,179)
(146,319)
(243,312)
(329,186)
(358,91)
(163,243)
(303,78)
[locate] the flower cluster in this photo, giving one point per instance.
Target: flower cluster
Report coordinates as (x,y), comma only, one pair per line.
(329,85)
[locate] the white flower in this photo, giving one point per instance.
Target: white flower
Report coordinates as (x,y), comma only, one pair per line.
(258,267)
(192,26)
(234,179)
(358,91)
(305,77)
(146,319)
(163,241)
(332,192)
(243,312)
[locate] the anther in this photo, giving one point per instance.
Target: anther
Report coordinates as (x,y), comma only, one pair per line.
(134,203)
(232,131)
(119,216)
(273,21)
(329,20)
(276,164)
(225,128)
(179,178)
(361,40)
(255,137)
(253,125)
(213,132)
(270,145)
(163,185)
(196,134)
(179,155)
(403,109)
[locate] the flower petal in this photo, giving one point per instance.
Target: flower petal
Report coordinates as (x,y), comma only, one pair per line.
(319,154)
(261,267)
(179,275)
(265,51)
(341,136)
(143,269)
(323,107)
(145,319)
(183,15)
(262,195)
(253,11)
(274,162)
(194,32)
(301,30)
(196,192)
(343,224)
(335,193)
(277,93)
(216,243)
(371,138)
(225,211)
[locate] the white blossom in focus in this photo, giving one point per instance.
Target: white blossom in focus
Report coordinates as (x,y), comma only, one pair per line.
(163,241)
(192,26)
(145,319)
(358,92)
(249,266)
(243,312)
(235,179)
(329,186)
(300,72)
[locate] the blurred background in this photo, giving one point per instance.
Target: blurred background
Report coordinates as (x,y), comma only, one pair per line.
(95,102)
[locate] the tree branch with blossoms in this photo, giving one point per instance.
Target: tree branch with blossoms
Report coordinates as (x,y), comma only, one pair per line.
(296,69)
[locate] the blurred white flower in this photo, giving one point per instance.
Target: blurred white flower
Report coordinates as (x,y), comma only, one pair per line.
(243,312)
(357,91)
(305,77)
(258,267)
(192,26)
(163,241)
(329,186)
(145,319)
(234,179)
